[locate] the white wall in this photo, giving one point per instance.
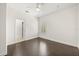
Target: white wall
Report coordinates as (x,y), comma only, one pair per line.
(30,25)
(60,26)
(78,27)
(3,48)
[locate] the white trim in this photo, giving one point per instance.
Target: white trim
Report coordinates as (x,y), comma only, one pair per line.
(45,37)
(51,39)
(25,39)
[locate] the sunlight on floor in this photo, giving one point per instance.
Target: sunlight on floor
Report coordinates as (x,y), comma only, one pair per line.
(43,48)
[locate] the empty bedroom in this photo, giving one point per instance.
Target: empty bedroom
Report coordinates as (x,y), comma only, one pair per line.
(39,29)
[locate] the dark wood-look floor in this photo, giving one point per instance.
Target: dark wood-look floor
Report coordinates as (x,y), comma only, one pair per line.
(41,47)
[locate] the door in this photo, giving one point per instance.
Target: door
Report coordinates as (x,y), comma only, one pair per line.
(19,29)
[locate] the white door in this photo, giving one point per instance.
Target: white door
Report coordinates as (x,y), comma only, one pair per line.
(19,29)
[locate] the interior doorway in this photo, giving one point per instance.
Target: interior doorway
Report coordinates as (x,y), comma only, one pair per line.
(19,29)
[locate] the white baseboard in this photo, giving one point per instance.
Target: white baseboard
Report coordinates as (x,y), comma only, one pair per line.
(51,39)
(25,39)
(41,36)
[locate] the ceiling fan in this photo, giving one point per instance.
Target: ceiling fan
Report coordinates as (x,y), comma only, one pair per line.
(37,8)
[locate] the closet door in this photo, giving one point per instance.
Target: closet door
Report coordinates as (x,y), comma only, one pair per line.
(19,30)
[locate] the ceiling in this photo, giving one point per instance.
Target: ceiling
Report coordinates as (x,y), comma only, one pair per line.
(46,8)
